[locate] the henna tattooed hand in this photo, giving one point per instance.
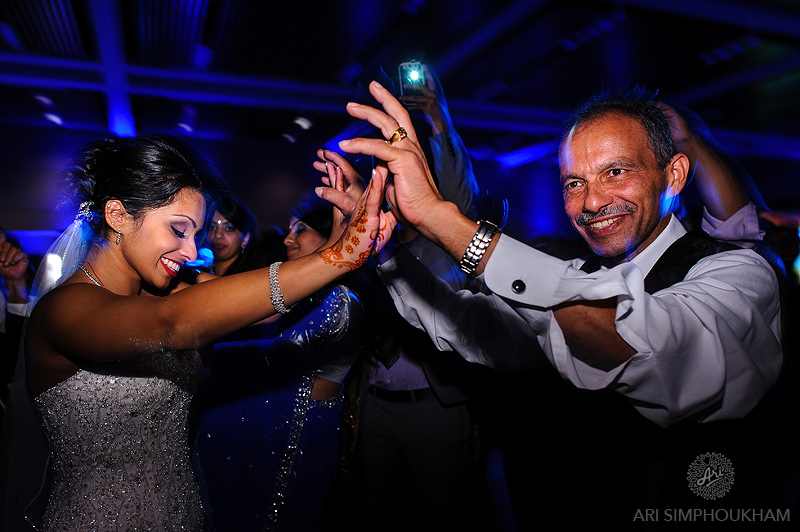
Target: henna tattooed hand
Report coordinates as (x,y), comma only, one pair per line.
(368,229)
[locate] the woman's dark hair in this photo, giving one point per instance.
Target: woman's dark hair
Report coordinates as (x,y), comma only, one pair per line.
(637,104)
(260,253)
(316,214)
(143,173)
(237,213)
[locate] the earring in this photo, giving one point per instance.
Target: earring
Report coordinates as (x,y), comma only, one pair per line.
(119,235)
(243,246)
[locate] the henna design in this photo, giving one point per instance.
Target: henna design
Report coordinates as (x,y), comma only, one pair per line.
(334,255)
(378,235)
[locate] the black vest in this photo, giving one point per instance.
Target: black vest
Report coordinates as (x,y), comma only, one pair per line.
(676,261)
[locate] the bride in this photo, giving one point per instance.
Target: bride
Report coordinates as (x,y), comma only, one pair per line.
(112,370)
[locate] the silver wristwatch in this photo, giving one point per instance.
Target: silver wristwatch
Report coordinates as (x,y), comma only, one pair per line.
(477,247)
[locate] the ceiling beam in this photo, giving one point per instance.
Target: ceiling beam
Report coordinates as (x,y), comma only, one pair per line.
(481,39)
(737,143)
(202,87)
(751,16)
(107,24)
(746,143)
(788,63)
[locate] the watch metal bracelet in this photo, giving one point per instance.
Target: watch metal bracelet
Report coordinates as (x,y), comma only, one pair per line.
(477,247)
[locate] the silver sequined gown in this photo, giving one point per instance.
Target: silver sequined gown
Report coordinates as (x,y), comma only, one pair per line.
(119,443)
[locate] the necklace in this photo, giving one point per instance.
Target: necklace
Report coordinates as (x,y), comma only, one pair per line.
(91,277)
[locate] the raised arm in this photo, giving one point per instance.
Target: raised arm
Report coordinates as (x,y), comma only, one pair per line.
(724,186)
(13,268)
(413,195)
(414,199)
(451,162)
(83,321)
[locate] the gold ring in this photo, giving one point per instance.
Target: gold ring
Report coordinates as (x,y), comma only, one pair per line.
(397,136)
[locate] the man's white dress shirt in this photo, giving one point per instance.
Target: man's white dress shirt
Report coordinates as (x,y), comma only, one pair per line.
(707,347)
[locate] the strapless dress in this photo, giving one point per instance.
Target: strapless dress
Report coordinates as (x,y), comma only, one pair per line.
(119,441)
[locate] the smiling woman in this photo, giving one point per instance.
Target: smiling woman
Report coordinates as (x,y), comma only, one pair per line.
(309,228)
(111,369)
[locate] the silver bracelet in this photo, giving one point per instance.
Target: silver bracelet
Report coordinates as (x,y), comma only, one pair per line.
(275,294)
(477,247)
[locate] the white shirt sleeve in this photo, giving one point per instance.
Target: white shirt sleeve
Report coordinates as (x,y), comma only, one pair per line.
(741,228)
(481,328)
(707,348)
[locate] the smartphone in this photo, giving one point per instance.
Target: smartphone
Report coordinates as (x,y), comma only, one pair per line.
(412,76)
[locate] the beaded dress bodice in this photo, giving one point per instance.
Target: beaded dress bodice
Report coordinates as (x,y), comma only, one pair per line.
(118,436)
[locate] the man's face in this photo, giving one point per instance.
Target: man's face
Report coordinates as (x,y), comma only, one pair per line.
(614,193)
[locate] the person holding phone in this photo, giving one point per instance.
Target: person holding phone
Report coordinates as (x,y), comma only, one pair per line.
(417,429)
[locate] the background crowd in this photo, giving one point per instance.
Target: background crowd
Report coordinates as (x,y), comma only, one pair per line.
(341,412)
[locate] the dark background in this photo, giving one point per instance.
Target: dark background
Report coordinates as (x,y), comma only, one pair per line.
(232,76)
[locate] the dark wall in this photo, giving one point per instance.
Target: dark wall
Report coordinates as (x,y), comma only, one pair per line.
(270,177)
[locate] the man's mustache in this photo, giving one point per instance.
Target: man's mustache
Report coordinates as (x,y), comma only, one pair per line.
(589,217)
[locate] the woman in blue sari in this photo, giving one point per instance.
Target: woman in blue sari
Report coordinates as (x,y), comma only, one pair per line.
(268,435)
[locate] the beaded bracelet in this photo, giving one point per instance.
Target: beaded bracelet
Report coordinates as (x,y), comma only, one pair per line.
(275,294)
